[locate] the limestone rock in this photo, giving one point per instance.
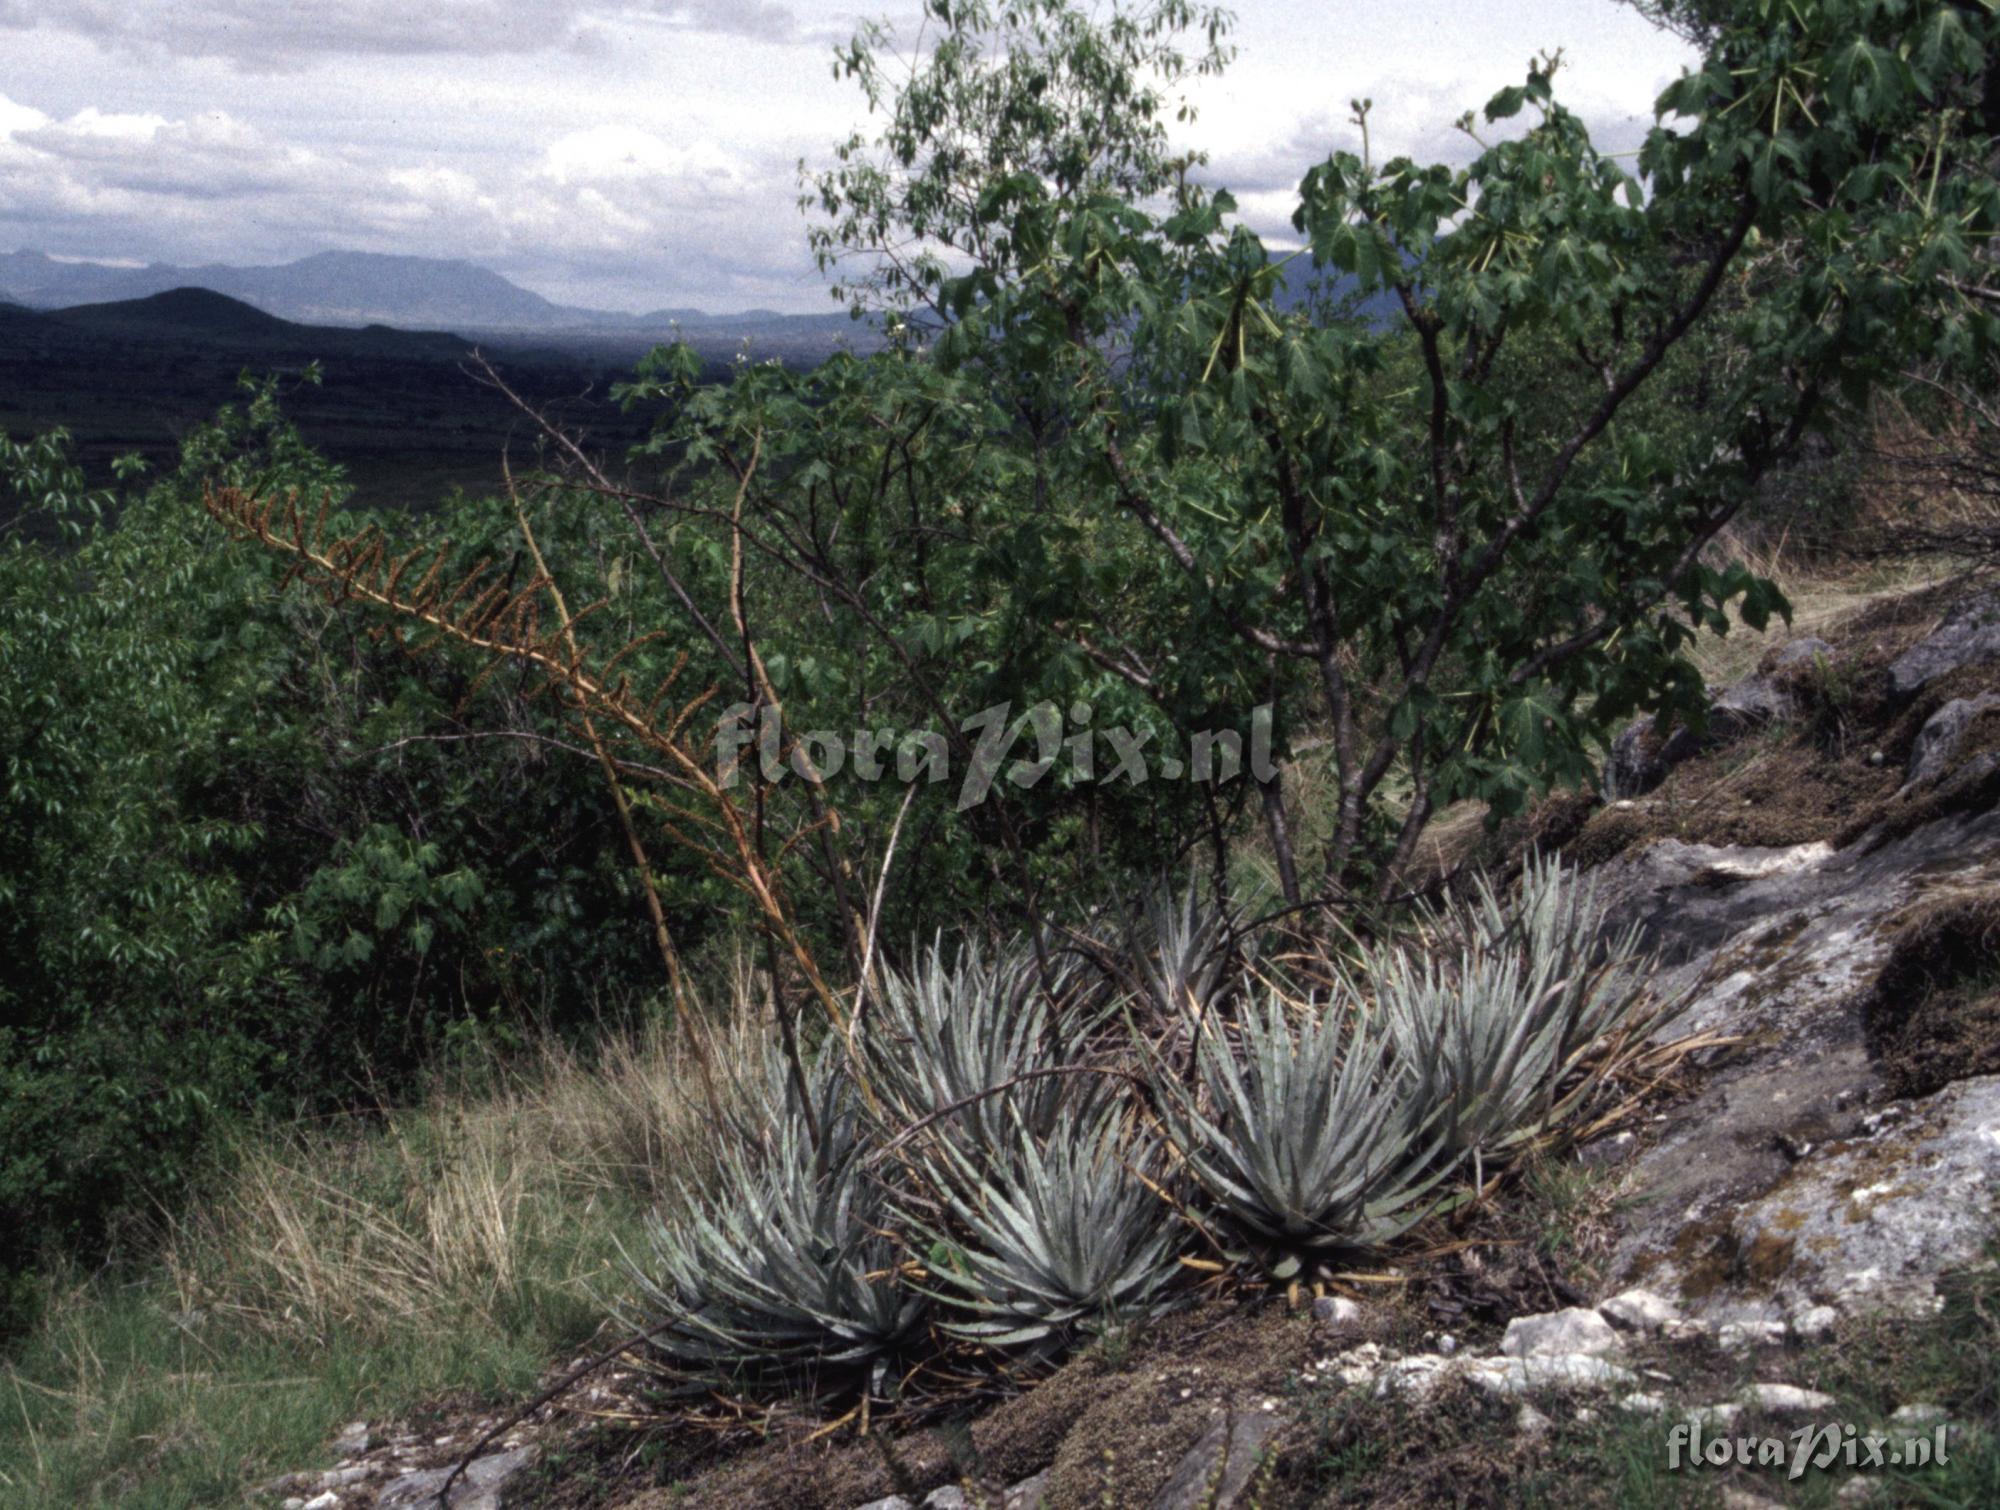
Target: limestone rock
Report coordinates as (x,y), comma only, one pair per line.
(481,1487)
(1968,636)
(1872,1222)
(1530,1422)
(1918,1415)
(1785,1399)
(1806,648)
(1219,1467)
(1937,743)
(1029,1494)
(1570,1331)
(1812,1323)
(1641,758)
(1713,1417)
(1511,1377)
(1416,1376)
(1742,1194)
(1337,1312)
(1639,1311)
(1741,1336)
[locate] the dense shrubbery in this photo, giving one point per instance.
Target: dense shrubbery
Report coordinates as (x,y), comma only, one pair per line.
(228,886)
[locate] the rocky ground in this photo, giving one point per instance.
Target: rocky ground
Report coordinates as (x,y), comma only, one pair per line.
(1794,1236)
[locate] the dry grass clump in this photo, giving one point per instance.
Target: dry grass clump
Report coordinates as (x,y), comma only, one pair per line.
(505,1193)
(368,1266)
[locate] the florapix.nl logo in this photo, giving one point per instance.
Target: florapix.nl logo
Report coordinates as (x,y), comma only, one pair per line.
(992,747)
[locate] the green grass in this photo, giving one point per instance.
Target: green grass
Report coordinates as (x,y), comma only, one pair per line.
(440,1256)
(118,1401)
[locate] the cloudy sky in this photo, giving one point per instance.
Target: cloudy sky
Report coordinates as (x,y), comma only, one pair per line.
(633,156)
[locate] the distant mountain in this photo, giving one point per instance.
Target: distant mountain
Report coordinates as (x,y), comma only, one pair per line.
(369,288)
(337,288)
(217,322)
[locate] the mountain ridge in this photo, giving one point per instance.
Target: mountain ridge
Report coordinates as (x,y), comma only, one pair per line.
(356,289)
(220,321)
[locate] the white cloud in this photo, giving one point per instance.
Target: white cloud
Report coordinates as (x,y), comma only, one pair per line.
(261,35)
(610,199)
(15,116)
(634,153)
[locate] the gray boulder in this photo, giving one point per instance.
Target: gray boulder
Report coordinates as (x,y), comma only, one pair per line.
(1640,759)
(1806,648)
(1219,1467)
(1968,636)
(481,1487)
(1937,743)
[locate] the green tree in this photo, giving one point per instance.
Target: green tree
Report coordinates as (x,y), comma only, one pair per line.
(1476,579)
(250,862)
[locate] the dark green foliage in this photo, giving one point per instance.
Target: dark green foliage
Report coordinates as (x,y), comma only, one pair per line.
(238,873)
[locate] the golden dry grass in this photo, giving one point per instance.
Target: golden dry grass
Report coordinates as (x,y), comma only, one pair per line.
(460,1210)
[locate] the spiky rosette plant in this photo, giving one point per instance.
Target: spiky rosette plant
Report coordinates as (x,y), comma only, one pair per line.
(1301,1130)
(1503,1019)
(1043,1238)
(779,1274)
(1183,955)
(986,1037)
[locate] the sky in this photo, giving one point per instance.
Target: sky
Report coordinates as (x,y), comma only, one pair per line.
(644,155)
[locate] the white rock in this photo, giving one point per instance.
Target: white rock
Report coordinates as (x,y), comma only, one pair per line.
(1447,1344)
(340,1478)
(1415,1376)
(294,1503)
(1565,1333)
(1733,1498)
(1639,1311)
(1918,1414)
(889,1502)
(1712,1415)
(1337,1311)
(481,1487)
(1815,1322)
(1356,1365)
(950,1497)
(1639,1403)
(1785,1398)
(326,1501)
(1530,1422)
(1509,1377)
(1740,1336)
